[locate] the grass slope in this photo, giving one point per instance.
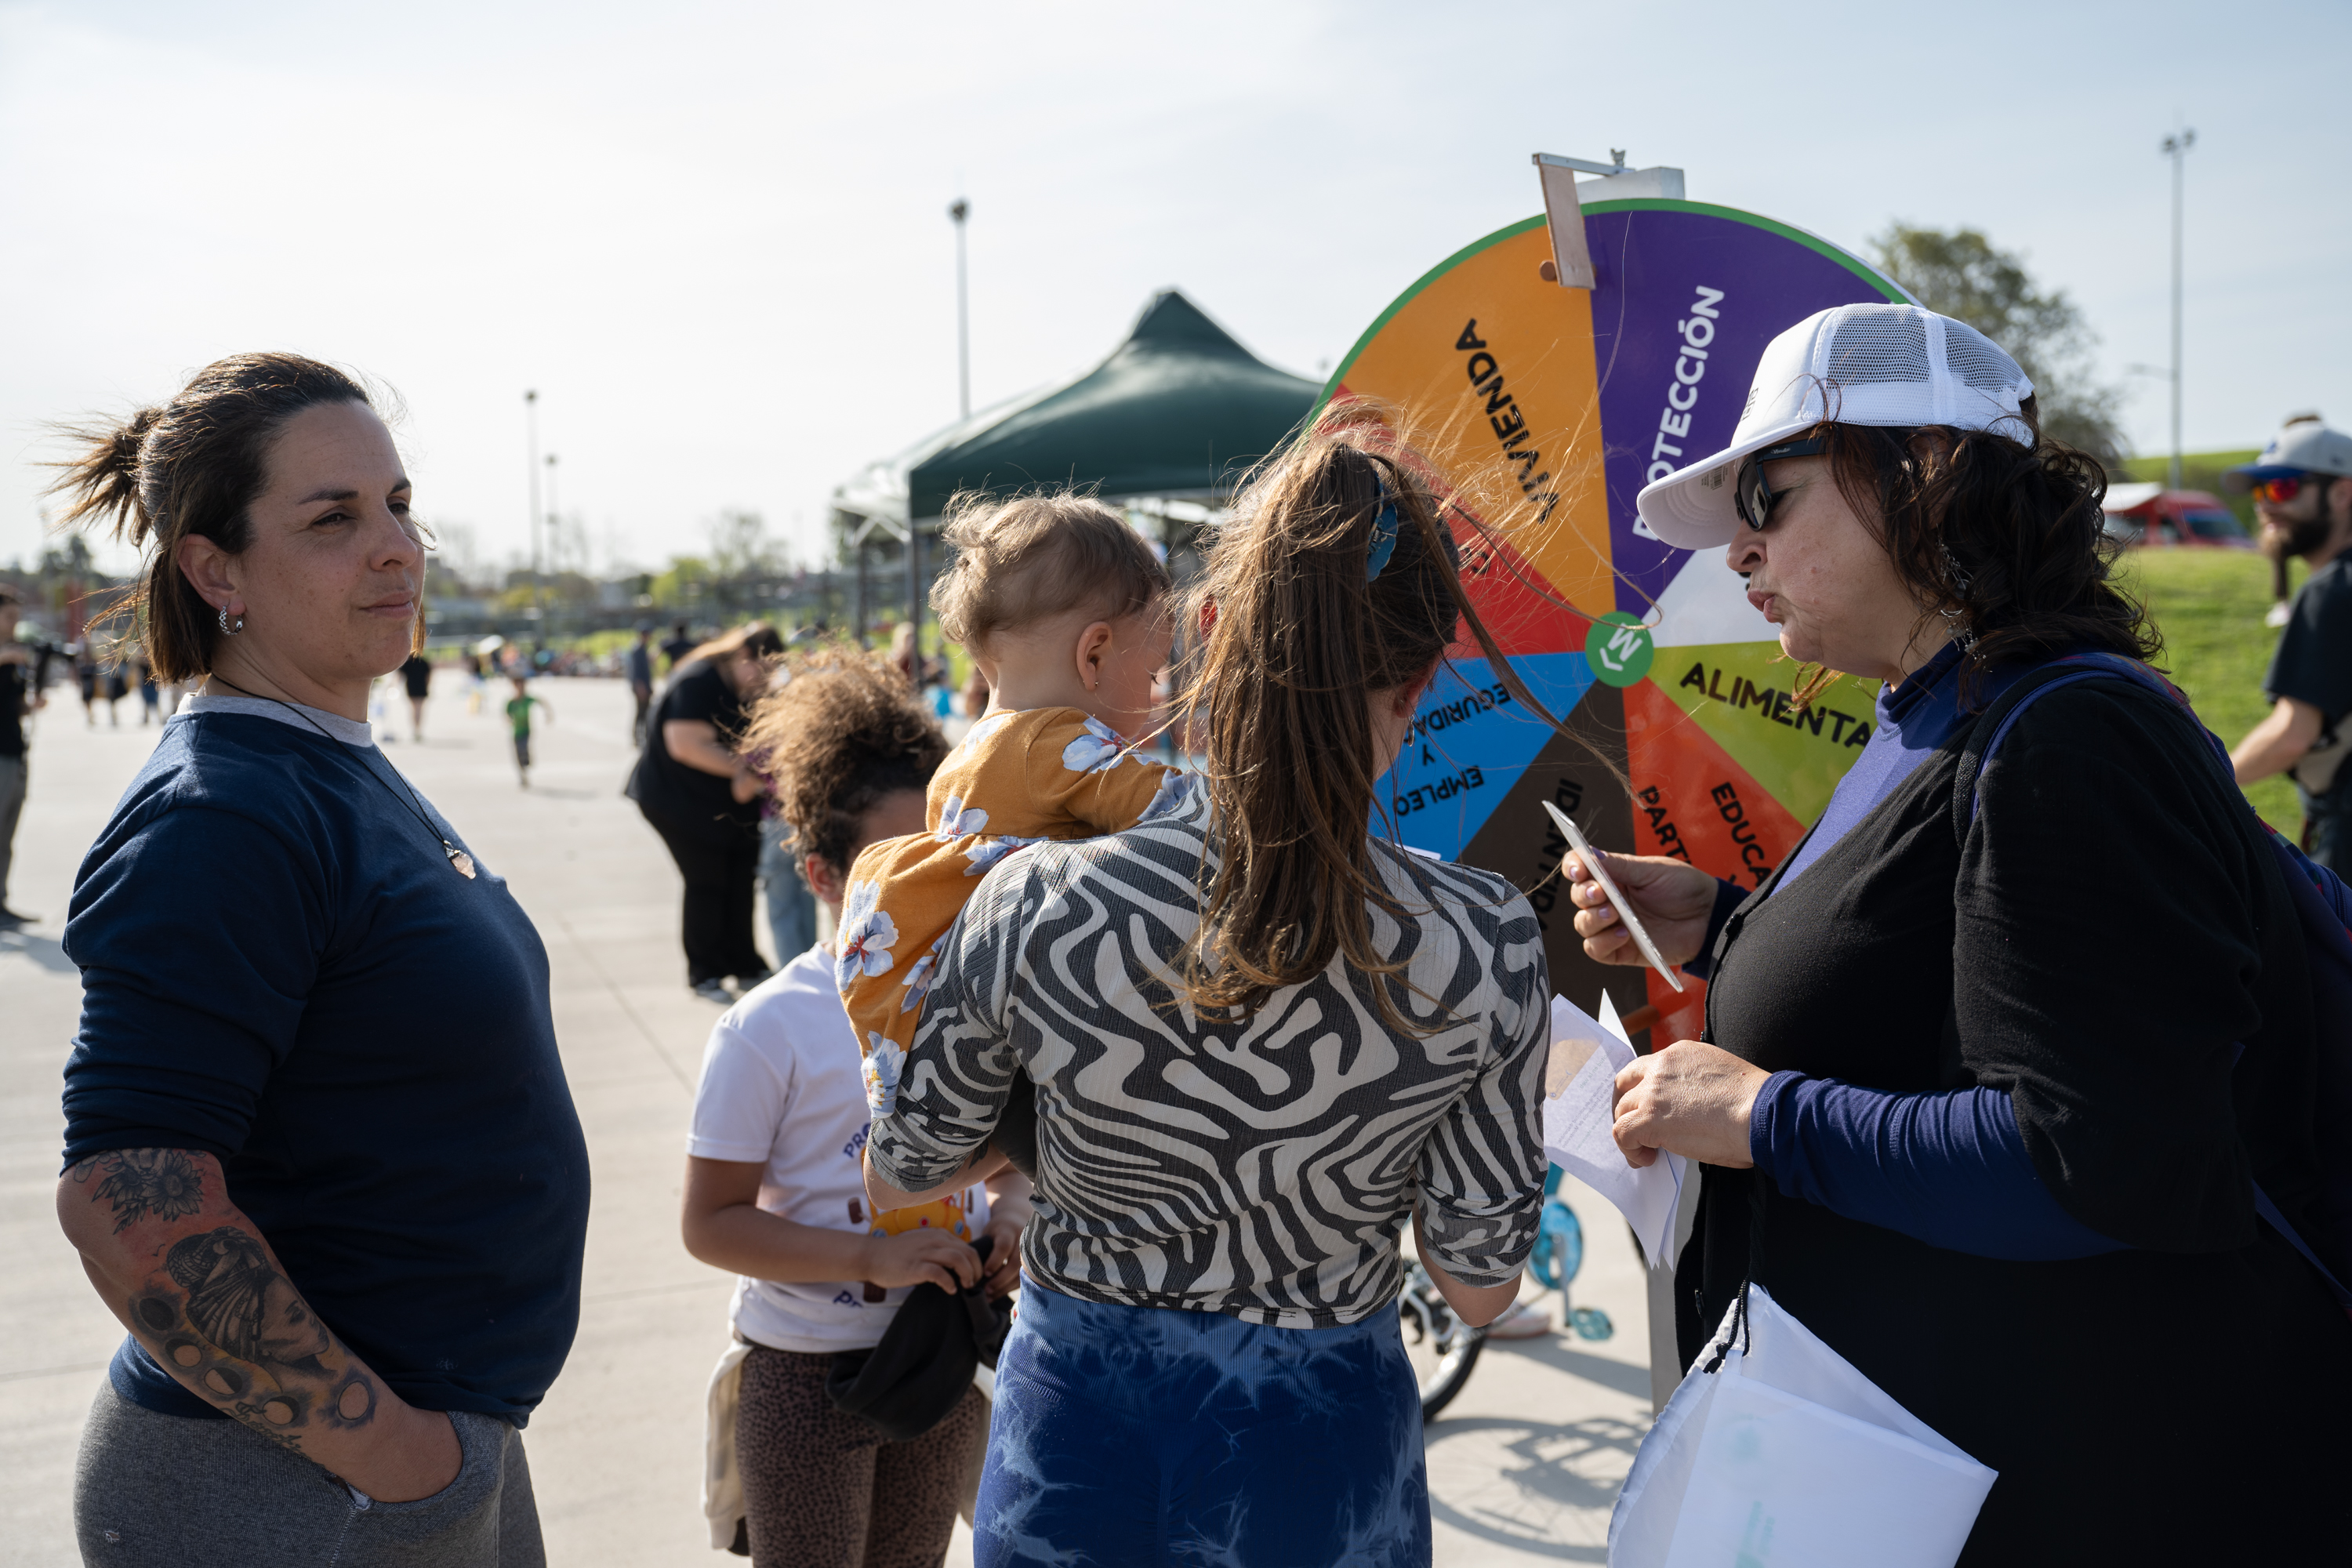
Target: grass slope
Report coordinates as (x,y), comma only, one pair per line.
(2199,470)
(2209,604)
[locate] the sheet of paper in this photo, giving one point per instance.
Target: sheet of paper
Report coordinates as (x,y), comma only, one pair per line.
(1578,1111)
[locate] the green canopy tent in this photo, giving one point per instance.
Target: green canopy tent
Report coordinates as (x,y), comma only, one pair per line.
(1169,420)
(1177,411)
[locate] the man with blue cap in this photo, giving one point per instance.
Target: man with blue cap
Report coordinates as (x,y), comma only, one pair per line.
(2302,486)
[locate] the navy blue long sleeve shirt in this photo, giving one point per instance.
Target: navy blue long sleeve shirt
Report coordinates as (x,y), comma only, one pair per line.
(280,967)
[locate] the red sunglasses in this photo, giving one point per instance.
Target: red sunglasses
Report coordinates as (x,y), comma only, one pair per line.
(2278,492)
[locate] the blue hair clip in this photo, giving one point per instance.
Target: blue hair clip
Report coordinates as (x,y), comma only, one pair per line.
(1384,534)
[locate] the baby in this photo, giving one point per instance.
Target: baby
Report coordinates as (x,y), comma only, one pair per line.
(1064,610)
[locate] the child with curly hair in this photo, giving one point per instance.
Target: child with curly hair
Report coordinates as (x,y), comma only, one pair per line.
(1064,609)
(773,1182)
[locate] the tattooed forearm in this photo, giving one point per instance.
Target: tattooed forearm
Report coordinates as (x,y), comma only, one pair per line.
(200,1288)
(237,1328)
(139,1183)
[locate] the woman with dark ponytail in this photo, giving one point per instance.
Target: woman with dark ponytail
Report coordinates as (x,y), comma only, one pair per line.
(319,1157)
(1264,1039)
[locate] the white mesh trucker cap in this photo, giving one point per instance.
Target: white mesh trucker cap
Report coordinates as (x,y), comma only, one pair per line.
(1855,364)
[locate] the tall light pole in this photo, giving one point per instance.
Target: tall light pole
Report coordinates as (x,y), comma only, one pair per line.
(530,426)
(959,210)
(2175,147)
(554,523)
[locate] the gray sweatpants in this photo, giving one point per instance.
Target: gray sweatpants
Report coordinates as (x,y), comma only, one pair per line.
(176,1491)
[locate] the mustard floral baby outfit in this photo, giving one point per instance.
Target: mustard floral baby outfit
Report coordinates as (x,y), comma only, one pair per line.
(1018,778)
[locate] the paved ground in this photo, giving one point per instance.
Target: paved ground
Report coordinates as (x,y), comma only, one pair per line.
(1523,1466)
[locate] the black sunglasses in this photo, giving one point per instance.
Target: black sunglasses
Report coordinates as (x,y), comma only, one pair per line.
(1750,492)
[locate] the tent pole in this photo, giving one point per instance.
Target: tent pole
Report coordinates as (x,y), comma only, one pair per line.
(857,595)
(914,596)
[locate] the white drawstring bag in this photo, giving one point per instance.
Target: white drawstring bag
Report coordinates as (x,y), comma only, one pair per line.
(1783,1453)
(722,1481)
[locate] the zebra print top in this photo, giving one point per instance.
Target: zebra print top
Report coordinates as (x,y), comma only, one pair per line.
(1263,1171)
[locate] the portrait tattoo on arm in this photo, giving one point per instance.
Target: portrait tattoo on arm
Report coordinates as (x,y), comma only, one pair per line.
(212,1305)
(139,1183)
(246,1336)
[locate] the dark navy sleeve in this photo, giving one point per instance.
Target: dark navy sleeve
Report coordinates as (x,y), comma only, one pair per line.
(198,934)
(1728,895)
(1948,1169)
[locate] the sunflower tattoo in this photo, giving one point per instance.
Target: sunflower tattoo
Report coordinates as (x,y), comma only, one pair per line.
(141,1182)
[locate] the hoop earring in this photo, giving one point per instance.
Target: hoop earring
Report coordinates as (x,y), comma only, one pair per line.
(225,627)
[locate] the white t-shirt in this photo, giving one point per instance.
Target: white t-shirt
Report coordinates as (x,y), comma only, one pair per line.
(781,1085)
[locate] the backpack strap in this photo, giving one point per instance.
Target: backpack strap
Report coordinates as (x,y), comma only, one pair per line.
(2269,1211)
(1992,726)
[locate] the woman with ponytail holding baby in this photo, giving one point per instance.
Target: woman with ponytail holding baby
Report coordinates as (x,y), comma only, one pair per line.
(1262,1042)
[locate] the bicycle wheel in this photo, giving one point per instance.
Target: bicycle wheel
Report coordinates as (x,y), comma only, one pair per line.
(1559,1245)
(1442,1348)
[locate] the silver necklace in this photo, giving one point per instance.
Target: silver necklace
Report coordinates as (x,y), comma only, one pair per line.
(459,860)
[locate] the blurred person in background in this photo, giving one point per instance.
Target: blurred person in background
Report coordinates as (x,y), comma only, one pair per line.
(144,673)
(20,694)
(416,676)
(699,794)
(639,665)
(117,687)
(86,676)
(339,1206)
(519,708)
(2302,486)
(677,647)
(903,655)
(792,908)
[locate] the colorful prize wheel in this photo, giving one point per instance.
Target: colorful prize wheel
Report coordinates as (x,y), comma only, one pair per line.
(1540,412)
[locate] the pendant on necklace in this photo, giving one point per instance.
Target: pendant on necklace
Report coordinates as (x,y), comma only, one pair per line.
(460,859)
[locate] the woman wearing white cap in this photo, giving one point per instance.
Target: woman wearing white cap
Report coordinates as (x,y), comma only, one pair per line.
(1997,1070)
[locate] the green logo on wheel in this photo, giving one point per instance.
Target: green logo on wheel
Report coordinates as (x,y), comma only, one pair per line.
(1619,649)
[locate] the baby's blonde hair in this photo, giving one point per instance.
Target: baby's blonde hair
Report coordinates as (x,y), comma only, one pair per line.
(1037,556)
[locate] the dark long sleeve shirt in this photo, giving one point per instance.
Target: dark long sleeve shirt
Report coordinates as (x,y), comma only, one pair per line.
(280,967)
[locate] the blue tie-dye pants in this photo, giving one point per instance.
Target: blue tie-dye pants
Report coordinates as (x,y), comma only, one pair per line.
(1139,1435)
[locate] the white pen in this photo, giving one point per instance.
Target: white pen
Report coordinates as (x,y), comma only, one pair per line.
(1616,899)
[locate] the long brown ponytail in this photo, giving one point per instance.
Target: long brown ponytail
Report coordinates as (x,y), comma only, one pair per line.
(1298,639)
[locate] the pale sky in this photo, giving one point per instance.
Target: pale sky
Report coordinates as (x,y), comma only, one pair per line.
(713,236)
